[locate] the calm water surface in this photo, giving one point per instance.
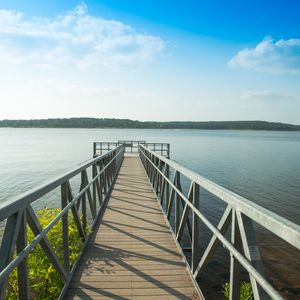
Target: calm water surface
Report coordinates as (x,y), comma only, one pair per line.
(262,166)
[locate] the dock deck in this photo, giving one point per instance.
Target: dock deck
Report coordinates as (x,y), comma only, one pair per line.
(132,253)
(139,215)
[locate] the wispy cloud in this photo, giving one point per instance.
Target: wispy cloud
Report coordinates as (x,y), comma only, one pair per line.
(275,57)
(65,87)
(75,37)
(264,95)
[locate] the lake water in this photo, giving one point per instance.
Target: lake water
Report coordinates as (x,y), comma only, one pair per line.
(261,166)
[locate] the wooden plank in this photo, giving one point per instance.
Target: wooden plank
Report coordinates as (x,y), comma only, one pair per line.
(132,253)
(135,284)
(183,293)
(149,274)
(132,278)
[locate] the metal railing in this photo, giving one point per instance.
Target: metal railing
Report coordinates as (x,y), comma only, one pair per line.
(18,212)
(102,147)
(161,148)
(131,146)
(239,214)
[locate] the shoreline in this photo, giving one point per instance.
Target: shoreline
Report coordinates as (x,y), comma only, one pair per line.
(155,128)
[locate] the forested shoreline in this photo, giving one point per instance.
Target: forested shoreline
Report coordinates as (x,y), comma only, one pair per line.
(127,123)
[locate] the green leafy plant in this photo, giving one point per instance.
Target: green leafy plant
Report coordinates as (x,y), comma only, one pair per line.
(45,282)
(245,291)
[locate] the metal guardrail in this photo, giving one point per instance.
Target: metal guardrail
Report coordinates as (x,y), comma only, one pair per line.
(161,148)
(131,146)
(18,212)
(239,213)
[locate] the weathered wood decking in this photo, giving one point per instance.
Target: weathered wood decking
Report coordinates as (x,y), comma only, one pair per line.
(132,254)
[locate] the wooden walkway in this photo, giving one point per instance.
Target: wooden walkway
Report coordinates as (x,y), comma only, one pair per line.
(132,254)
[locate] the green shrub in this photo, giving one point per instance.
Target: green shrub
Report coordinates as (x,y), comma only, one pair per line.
(245,291)
(45,282)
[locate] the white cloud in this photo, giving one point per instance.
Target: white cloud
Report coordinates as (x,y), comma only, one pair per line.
(73,38)
(275,57)
(264,95)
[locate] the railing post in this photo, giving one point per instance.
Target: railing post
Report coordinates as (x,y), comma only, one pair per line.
(23,274)
(115,163)
(94,149)
(163,184)
(65,227)
(94,172)
(106,172)
(83,202)
(158,177)
(8,244)
(152,169)
(235,267)
(98,186)
(167,185)
(195,229)
(252,253)
(102,178)
(111,175)
(170,200)
(177,204)
(75,213)
(89,195)
(148,165)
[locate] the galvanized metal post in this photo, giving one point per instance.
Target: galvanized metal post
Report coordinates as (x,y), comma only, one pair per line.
(195,229)
(83,203)
(252,252)
(235,267)
(177,204)
(8,245)
(23,273)
(94,149)
(167,186)
(65,227)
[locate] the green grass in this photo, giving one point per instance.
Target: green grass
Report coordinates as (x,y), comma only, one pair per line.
(245,291)
(45,282)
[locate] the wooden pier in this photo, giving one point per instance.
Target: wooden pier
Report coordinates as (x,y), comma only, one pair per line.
(131,215)
(132,253)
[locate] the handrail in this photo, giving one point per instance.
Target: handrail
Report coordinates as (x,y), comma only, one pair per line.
(14,204)
(18,212)
(132,146)
(240,213)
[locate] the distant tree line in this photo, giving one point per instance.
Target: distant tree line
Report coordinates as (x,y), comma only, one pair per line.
(126,123)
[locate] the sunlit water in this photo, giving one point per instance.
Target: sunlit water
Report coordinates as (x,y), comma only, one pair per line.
(261,166)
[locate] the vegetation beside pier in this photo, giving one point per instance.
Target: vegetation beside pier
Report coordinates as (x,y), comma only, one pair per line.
(44,281)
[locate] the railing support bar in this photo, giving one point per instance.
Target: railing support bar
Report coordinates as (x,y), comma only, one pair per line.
(252,252)
(8,245)
(65,228)
(23,273)
(195,231)
(235,267)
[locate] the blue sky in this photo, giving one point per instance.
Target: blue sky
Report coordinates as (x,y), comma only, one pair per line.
(151,60)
